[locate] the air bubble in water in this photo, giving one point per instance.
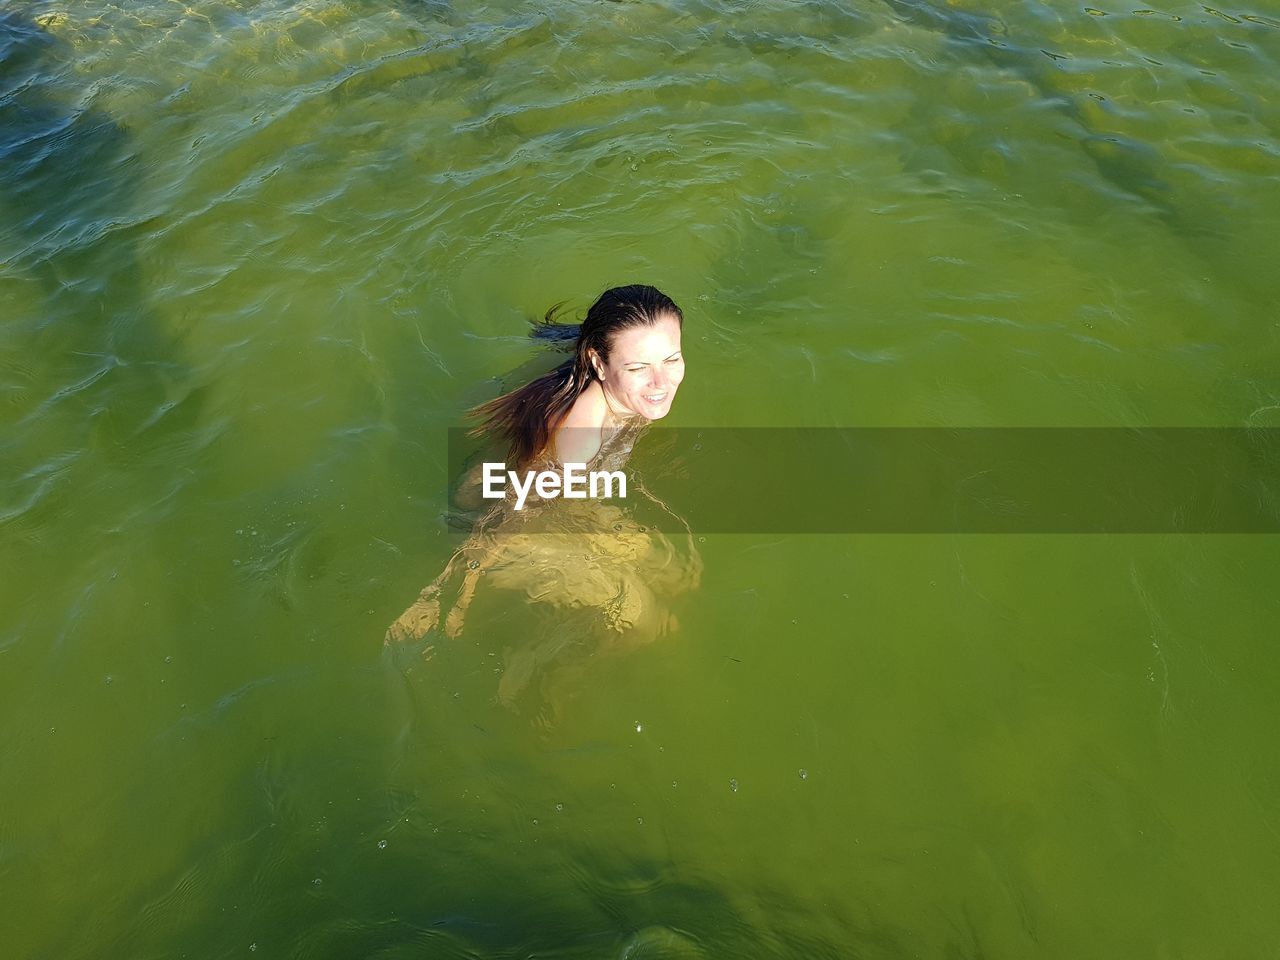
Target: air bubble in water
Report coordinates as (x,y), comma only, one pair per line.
(733,785)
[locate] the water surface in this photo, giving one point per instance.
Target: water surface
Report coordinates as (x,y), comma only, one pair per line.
(257,258)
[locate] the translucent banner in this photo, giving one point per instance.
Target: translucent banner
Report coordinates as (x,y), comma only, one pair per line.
(918,480)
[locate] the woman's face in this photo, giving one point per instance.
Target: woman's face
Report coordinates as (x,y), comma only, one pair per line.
(644,369)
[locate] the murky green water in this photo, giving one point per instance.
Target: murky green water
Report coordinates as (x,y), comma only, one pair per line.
(256,258)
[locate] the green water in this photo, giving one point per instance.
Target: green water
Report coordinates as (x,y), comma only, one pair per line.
(257,258)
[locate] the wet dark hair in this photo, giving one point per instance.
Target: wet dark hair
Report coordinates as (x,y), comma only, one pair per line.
(528,417)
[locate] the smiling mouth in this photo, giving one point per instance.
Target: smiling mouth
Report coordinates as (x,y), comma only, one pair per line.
(656,397)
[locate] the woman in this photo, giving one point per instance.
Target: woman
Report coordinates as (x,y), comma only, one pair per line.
(626,368)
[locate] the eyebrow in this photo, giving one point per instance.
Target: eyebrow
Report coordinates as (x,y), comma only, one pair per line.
(645,363)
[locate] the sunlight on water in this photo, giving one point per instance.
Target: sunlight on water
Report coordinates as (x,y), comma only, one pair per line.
(257,258)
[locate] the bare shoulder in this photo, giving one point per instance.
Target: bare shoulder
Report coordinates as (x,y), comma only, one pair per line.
(578,438)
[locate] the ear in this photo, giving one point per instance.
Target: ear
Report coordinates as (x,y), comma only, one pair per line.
(596,364)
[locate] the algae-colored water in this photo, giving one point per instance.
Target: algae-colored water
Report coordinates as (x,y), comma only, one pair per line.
(257,258)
